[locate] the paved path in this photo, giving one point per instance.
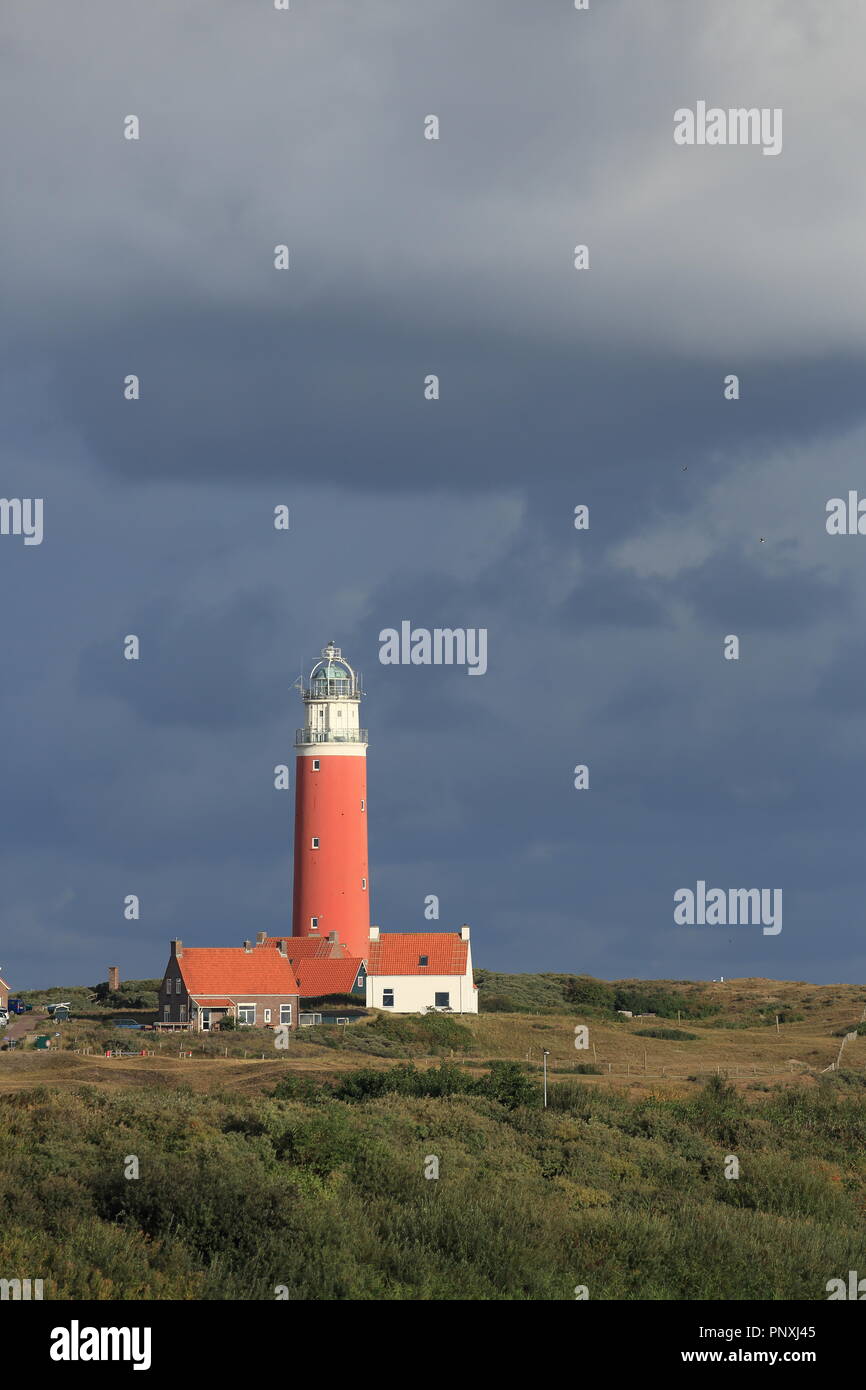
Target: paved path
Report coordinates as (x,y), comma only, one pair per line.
(22,1024)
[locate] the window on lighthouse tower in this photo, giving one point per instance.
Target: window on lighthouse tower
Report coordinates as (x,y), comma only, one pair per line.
(315,842)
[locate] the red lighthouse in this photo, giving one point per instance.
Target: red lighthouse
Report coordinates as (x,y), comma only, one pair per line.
(331,891)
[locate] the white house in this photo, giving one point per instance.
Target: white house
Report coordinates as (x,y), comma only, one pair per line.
(410,972)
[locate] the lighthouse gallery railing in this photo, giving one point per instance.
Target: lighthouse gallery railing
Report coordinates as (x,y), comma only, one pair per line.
(330,736)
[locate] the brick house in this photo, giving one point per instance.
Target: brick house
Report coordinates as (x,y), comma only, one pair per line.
(4,994)
(203,984)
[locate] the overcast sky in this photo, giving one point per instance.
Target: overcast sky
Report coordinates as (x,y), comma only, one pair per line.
(604,387)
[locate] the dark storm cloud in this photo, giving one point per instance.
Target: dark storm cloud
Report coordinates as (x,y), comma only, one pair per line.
(729,589)
(208,667)
(557,388)
(611,599)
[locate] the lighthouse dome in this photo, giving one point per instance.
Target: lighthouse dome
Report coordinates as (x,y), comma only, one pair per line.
(331,671)
(333,675)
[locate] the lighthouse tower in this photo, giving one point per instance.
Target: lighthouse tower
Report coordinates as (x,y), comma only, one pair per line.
(331,891)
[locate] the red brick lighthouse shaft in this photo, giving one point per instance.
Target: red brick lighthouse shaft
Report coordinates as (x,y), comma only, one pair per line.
(331,891)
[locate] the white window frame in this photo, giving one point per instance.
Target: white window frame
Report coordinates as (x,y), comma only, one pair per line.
(166,1013)
(314,842)
(363,883)
(284,1010)
(316,764)
(447,994)
(387,1003)
(242,1022)
(362,803)
(267,1015)
(183,1018)
(314,924)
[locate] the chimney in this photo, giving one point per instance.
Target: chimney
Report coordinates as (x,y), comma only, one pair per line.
(374,933)
(261,938)
(113,979)
(464,933)
(248,946)
(281,947)
(332,937)
(177,949)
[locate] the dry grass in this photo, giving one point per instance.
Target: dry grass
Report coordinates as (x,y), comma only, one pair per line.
(627,1060)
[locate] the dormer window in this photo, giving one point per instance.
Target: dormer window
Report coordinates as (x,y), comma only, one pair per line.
(423,960)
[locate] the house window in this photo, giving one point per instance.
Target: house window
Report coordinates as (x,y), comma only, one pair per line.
(183,1013)
(246,1014)
(442,1001)
(423,960)
(285,1013)
(267,1015)
(360,984)
(166,1013)
(314,924)
(363,883)
(315,842)
(387,998)
(316,764)
(177,986)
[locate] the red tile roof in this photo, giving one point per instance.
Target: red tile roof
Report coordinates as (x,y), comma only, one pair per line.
(398,953)
(220,970)
(321,977)
(301,946)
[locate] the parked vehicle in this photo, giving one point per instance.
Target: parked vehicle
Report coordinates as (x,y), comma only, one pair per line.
(126,1023)
(61,1013)
(52,1008)
(18,1006)
(4,1018)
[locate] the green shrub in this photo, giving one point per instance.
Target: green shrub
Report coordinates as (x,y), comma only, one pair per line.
(671,1034)
(497,1004)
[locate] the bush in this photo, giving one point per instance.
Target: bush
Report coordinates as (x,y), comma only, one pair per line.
(583,989)
(496,1004)
(301,1086)
(671,1034)
(508,1084)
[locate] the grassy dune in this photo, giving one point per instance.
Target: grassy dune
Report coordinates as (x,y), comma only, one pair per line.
(306,1170)
(235,1194)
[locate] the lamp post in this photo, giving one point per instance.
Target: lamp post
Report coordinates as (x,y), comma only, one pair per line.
(546,1055)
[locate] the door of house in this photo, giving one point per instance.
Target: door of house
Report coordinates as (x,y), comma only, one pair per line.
(204,1018)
